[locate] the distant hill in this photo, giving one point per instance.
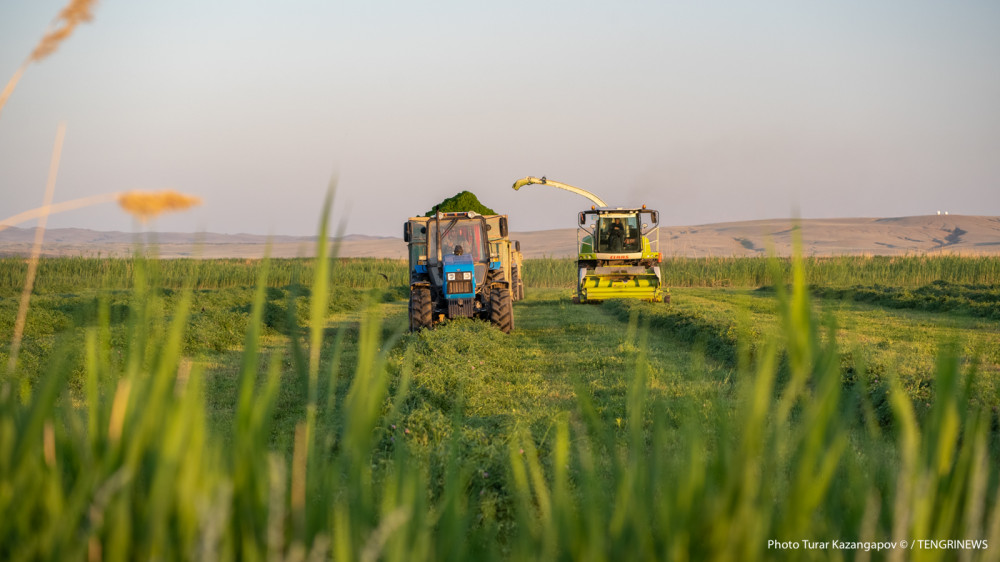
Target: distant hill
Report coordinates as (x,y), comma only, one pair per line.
(933,234)
(91,243)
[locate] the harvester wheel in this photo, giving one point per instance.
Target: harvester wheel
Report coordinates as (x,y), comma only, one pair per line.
(421,308)
(501,309)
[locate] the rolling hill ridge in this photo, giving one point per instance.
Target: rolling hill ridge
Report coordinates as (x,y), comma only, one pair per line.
(929,234)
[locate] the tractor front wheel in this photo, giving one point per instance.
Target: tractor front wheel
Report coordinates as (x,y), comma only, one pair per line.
(421,308)
(501,309)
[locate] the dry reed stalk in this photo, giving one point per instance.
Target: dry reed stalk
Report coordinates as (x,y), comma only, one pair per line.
(75,13)
(142,204)
(11,84)
(70,205)
(22,311)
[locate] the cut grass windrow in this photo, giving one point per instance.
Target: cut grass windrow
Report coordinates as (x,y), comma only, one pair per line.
(716,335)
(981,301)
(732,326)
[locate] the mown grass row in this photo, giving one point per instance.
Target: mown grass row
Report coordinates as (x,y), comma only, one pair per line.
(718,337)
(730,340)
(940,296)
(132,469)
(877,345)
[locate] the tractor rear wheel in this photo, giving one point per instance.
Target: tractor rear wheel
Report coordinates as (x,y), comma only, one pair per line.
(421,308)
(501,309)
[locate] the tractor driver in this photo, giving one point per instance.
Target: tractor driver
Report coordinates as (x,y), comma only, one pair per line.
(616,238)
(461,240)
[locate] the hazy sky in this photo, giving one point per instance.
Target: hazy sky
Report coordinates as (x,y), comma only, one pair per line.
(708,111)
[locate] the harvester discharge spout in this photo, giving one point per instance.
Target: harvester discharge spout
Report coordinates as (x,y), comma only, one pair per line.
(543,181)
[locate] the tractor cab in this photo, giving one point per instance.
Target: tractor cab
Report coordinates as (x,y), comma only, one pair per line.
(458,254)
(452,270)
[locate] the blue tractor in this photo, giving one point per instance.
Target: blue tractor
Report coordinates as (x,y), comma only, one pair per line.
(453,274)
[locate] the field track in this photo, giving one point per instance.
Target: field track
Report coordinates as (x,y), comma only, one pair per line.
(501,382)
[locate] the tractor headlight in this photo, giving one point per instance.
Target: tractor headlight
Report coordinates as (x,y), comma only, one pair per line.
(467,275)
(451,277)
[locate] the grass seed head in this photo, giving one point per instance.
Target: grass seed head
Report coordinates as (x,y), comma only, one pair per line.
(147,204)
(75,13)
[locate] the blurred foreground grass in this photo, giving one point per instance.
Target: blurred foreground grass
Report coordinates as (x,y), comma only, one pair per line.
(338,436)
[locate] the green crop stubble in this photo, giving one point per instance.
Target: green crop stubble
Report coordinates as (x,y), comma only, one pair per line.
(905,343)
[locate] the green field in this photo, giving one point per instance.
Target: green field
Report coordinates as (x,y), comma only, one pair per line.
(248,410)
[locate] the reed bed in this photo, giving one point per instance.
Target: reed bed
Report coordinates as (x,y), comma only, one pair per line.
(76,273)
(753,272)
(73,274)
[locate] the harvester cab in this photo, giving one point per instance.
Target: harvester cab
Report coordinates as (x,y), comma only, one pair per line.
(452,272)
(619,255)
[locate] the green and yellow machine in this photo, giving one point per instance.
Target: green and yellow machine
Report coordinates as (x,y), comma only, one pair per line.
(619,254)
